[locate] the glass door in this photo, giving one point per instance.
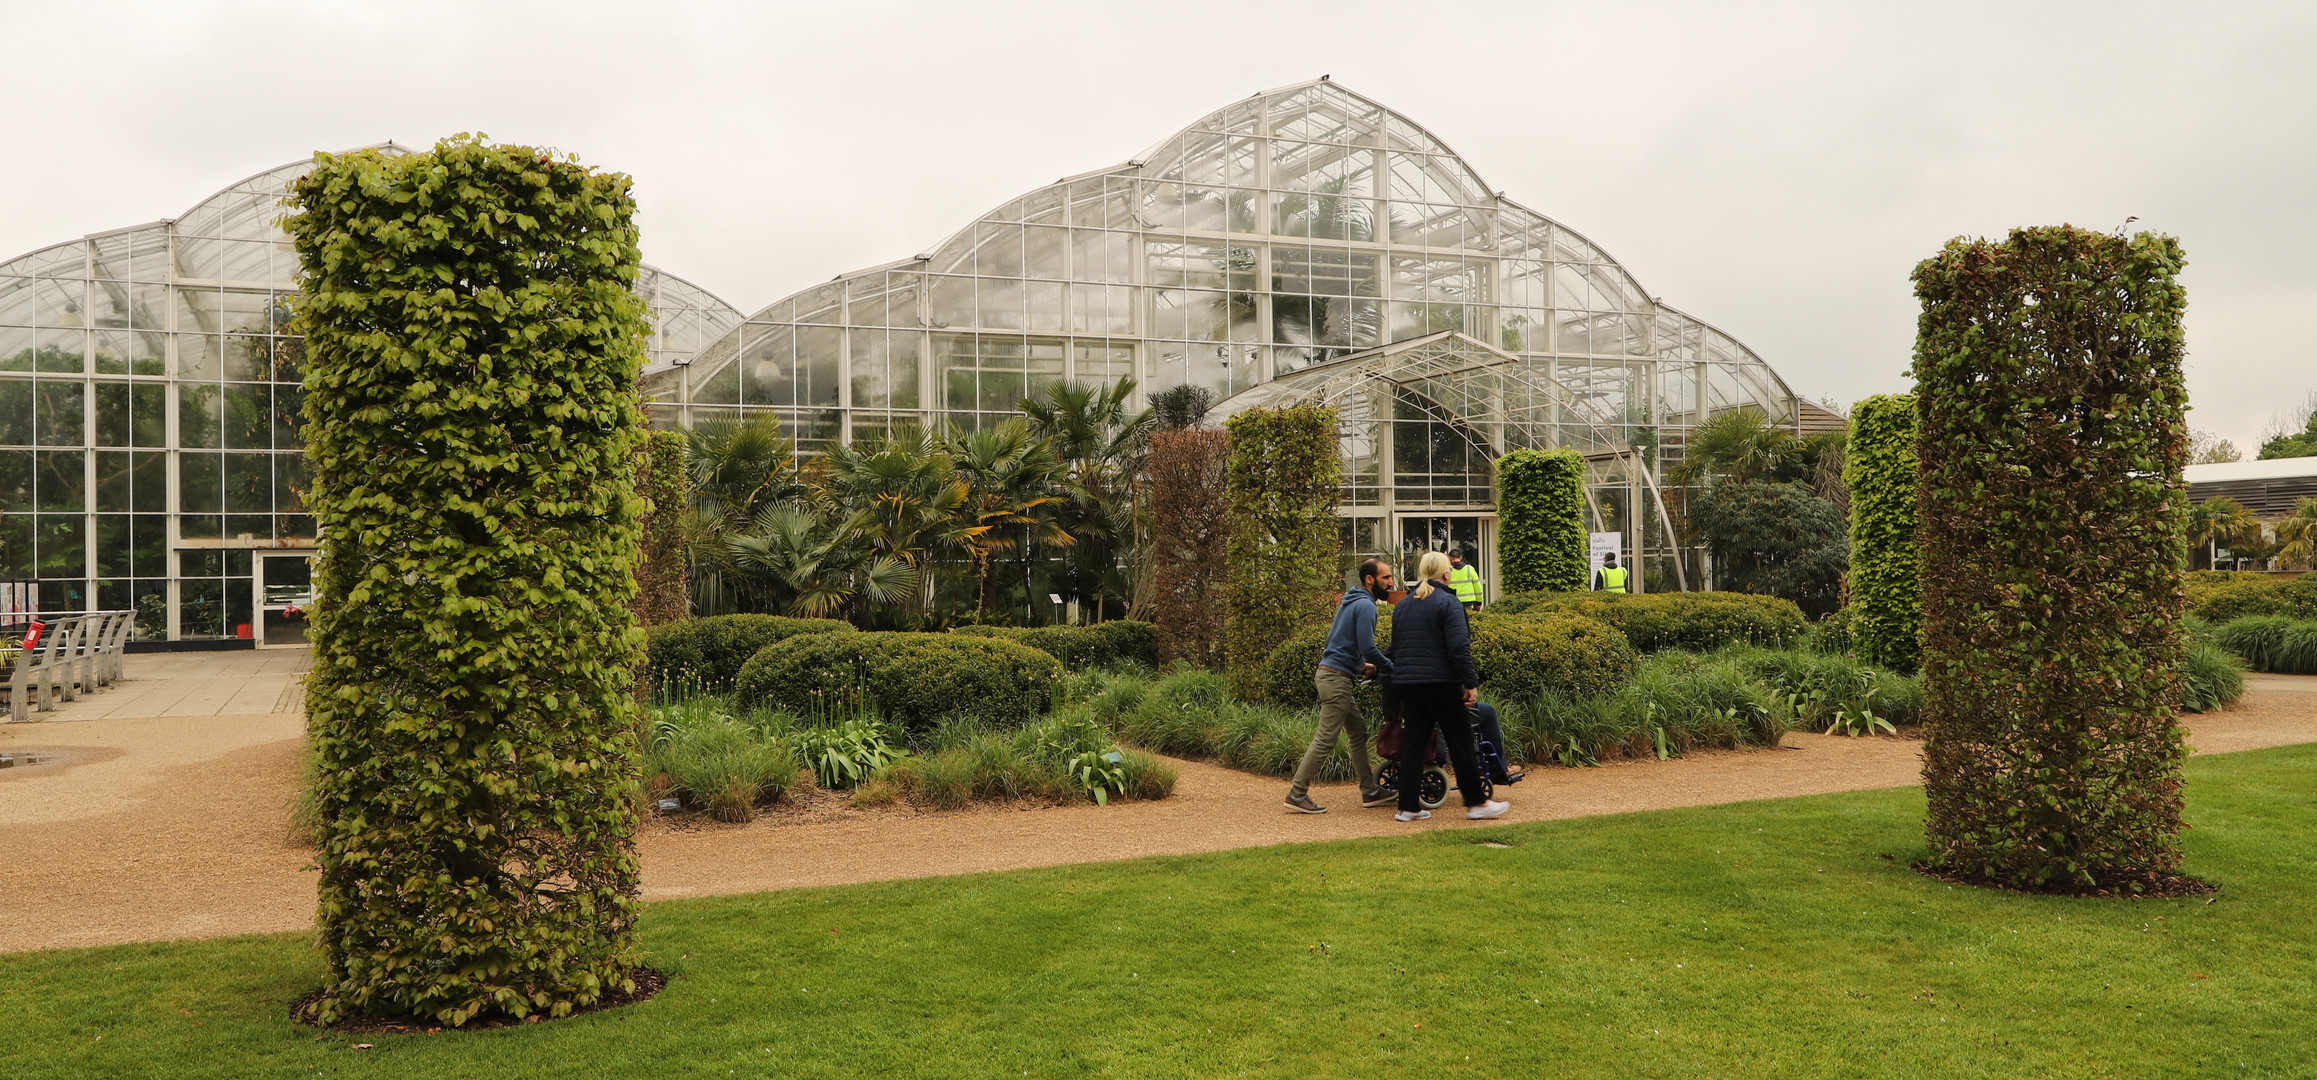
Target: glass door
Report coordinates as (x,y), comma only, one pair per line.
(285,585)
(1473,535)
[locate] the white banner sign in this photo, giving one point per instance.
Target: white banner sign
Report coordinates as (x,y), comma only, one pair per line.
(1606,544)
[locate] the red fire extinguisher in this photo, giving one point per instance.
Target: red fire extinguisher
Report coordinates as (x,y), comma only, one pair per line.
(32,635)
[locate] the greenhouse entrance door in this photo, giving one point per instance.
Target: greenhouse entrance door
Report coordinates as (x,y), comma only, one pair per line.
(1472,534)
(285,586)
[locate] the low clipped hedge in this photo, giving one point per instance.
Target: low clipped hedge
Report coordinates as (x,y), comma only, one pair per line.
(1288,671)
(912,679)
(708,653)
(2245,594)
(1522,658)
(1698,622)
(1120,641)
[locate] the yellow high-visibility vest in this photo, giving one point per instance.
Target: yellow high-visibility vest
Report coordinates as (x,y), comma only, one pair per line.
(1466,581)
(1613,579)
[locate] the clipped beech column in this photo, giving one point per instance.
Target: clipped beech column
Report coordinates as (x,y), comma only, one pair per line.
(1190,527)
(1541,544)
(1886,577)
(473,343)
(1286,540)
(2053,433)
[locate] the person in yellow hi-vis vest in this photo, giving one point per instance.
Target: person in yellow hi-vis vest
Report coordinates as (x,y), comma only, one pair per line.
(1464,579)
(1611,578)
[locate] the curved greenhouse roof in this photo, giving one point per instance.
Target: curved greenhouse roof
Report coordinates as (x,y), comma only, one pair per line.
(1287,230)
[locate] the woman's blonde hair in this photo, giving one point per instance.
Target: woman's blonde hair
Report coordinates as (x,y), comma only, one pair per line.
(1432,567)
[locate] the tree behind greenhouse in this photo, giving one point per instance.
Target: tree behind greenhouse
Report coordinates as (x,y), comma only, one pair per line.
(473,345)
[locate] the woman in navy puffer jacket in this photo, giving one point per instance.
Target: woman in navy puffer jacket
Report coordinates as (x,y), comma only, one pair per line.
(1432,672)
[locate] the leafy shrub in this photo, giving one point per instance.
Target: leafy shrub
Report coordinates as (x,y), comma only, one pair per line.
(1103,644)
(472,341)
(1285,537)
(1886,578)
(2272,643)
(2051,521)
(1288,671)
(707,654)
(1523,657)
(2213,677)
(1189,552)
(912,679)
(2254,594)
(1774,539)
(1697,622)
(844,754)
(1540,505)
(717,764)
(1833,634)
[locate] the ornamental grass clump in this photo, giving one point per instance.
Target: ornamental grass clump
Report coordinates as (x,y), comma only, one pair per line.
(2272,643)
(2052,419)
(472,340)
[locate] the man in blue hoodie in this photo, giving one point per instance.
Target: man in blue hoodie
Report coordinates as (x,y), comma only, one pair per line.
(1350,654)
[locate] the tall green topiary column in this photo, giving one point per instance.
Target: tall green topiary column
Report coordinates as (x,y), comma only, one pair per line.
(472,351)
(1886,578)
(663,480)
(1541,544)
(1285,537)
(2054,431)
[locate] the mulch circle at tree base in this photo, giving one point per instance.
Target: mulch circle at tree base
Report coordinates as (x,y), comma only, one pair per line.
(648,984)
(2144,885)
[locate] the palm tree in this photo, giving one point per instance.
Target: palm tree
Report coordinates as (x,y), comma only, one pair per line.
(1015,494)
(1103,443)
(799,562)
(2221,520)
(2297,533)
(1742,446)
(904,491)
(738,470)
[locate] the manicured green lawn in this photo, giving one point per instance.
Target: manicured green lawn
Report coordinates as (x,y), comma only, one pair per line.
(1771,939)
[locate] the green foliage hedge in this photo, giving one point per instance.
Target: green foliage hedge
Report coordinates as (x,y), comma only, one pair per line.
(1119,641)
(1886,578)
(1522,657)
(1540,512)
(1698,622)
(1285,539)
(472,344)
(2248,594)
(663,584)
(1780,540)
(2052,522)
(1289,670)
(707,653)
(914,679)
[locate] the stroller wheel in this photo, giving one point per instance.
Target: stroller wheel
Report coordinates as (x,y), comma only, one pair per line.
(1432,787)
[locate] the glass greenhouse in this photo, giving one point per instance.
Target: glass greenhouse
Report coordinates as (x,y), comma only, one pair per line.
(149,413)
(1305,244)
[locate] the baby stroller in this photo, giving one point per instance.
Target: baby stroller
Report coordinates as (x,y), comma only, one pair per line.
(1438,777)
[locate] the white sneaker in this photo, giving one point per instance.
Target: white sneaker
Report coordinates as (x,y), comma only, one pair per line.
(1489,809)
(1420,815)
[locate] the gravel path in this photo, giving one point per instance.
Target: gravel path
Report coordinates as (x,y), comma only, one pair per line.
(149,829)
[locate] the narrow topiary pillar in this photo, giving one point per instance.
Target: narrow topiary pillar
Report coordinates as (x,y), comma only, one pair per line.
(1285,537)
(1541,544)
(2053,433)
(1886,577)
(473,343)
(663,580)
(1190,534)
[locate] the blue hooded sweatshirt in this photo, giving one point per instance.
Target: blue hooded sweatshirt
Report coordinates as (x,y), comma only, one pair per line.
(1351,642)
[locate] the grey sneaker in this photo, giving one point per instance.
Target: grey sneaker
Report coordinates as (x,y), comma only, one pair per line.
(1302,804)
(1413,815)
(1382,796)
(1489,809)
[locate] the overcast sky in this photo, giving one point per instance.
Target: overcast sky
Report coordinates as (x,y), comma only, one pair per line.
(1773,169)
